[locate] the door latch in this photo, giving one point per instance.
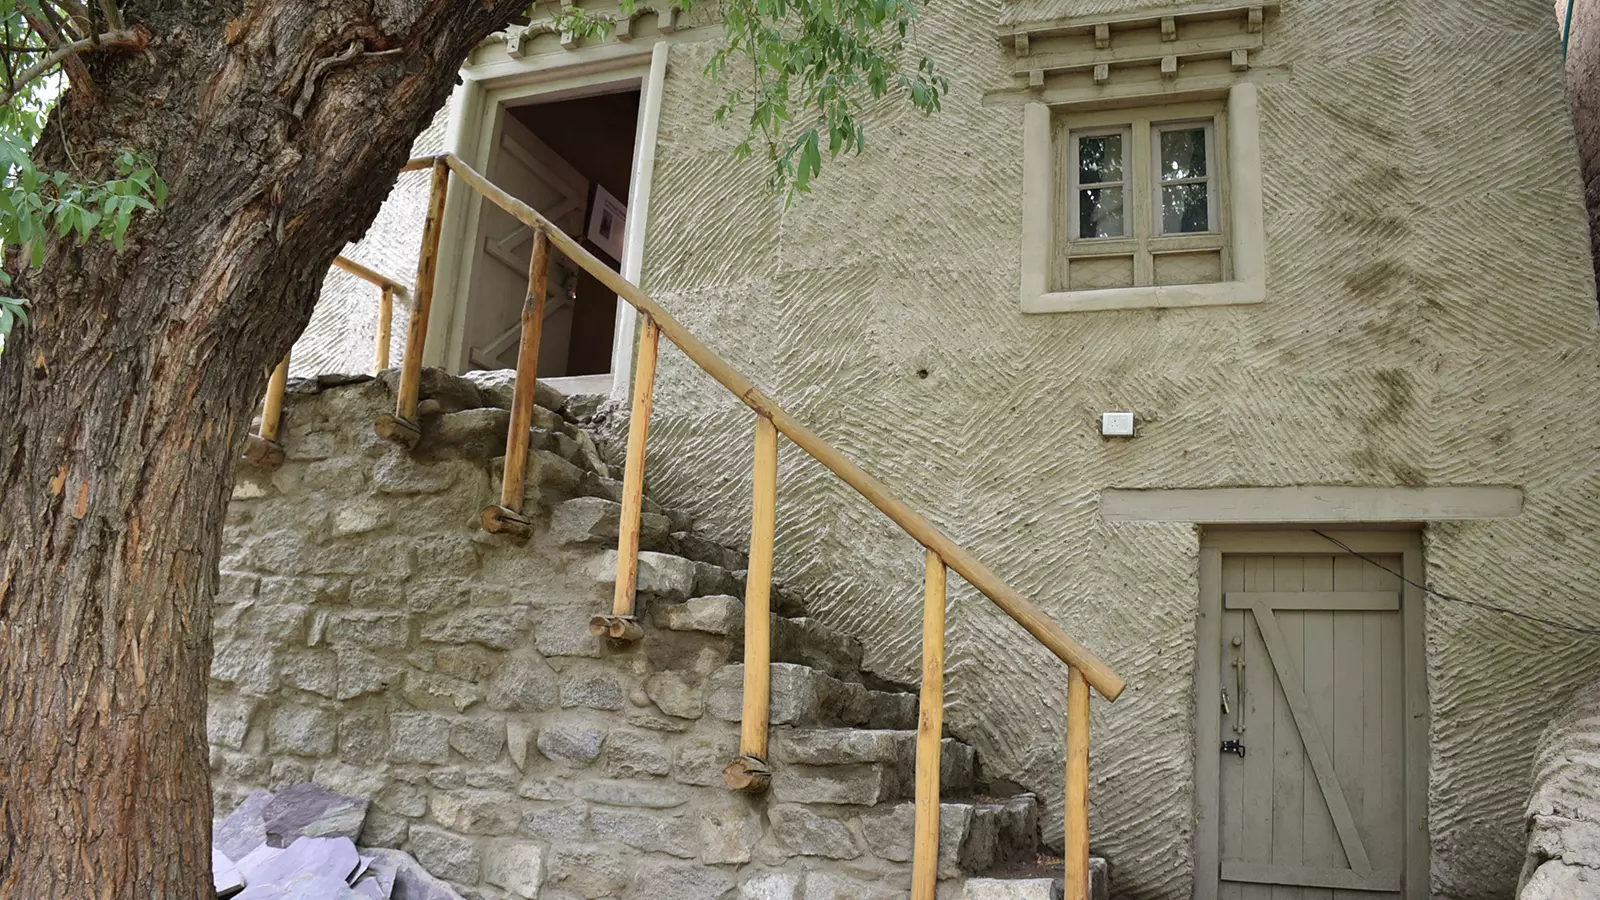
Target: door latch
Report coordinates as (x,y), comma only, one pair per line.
(1234,747)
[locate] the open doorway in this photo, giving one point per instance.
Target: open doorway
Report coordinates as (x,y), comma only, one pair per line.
(571,159)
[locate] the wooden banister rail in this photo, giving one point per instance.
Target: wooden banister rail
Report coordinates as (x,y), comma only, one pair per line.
(390,289)
(750,771)
(1099,675)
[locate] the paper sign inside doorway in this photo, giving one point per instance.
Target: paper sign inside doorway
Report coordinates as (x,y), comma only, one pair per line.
(607,218)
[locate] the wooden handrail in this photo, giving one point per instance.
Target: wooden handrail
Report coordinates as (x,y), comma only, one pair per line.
(1019,608)
(368,275)
(750,772)
(507,518)
(402,425)
(930,735)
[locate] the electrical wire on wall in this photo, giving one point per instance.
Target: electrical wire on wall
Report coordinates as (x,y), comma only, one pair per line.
(1552,623)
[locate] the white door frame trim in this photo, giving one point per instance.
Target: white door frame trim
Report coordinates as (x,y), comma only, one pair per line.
(1208,687)
(472,133)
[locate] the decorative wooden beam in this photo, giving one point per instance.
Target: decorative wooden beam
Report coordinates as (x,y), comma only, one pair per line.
(1169,28)
(1102,37)
(1102,73)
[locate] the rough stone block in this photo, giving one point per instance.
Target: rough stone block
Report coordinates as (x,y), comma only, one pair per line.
(370,629)
(839,746)
(398,472)
(576,745)
(800,696)
(675,695)
(646,830)
(592,690)
(360,518)
(429,690)
(420,737)
(315,671)
(585,520)
(446,855)
(679,881)
(836,886)
(589,872)
(519,734)
(471,662)
(634,754)
(517,866)
(693,546)
(524,684)
(304,730)
(557,824)
(728,833)
(861,785)
(498,627)
(632,794)
(720,614)
(714,579)
(475,812)
(700,761)
(364,673)
(566,635)
(384,830)
(228,720)
(473,433)
(771,886)
(670,577)
(479,740)
(799,831)
(1012,889)
(244,664)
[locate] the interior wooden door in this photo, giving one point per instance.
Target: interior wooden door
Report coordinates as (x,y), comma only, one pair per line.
(1313,726)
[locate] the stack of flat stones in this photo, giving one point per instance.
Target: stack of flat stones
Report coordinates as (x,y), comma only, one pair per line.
(299,844)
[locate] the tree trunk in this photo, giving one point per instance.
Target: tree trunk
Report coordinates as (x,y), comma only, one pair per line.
(279,126)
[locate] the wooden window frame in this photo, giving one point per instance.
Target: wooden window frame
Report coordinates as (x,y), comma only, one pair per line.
(1240,237)
(1075,187)
(1216,174)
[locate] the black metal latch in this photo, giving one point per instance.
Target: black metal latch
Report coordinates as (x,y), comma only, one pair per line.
(1235,747)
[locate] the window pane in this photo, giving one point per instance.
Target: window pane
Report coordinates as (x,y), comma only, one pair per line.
(1100,159)
(1100,213)
(1183,154)
(1183,208)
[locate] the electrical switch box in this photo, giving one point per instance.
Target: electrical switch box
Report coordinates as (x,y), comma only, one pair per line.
(1116,424)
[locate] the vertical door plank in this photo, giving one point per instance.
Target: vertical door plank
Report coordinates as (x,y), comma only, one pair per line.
(1231,778)
(1316,665)
(1288,752)
(1349,718)
(1260,727)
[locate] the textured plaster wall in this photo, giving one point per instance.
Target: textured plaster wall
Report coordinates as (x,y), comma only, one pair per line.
(1429,320)
(1583,87)
(343,332)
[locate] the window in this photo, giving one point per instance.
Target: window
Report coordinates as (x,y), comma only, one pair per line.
(1143,206)
(1142,198)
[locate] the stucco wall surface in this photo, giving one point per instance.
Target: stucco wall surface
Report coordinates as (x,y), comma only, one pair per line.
(1429,321)
(343,332)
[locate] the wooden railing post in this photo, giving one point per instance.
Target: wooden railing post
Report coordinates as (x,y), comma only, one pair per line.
(507,518)
(750,772)
(930,734)
(262,449)
(380,356)
(1077,801)
(621,623)
(402,427)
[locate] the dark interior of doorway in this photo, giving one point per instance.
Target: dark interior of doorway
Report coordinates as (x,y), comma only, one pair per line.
(595,135)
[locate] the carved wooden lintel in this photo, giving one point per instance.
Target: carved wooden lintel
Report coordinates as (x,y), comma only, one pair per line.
(1036,78)
(1102,36)
(1241,60)
(1169,28)
(262,453)
(1021,45)
(1102,73)
(391,427)
(500,520)
(618,628)
(1169,67)
(748,774)
(1254,19)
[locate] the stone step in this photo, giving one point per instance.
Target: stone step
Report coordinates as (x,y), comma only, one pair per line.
(860,767)
(1038,886)
(805,697)
(975,837)
(802,641)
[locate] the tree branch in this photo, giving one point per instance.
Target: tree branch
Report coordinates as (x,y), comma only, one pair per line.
(135,39)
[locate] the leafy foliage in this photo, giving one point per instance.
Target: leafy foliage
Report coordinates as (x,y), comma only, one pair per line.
(38,204)
(814,65)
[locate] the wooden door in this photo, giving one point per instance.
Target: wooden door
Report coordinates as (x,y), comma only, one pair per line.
(1310,715)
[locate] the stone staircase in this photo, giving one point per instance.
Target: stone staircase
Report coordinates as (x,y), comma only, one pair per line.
(520,756)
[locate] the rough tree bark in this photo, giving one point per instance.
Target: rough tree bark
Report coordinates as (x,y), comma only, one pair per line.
(279,126)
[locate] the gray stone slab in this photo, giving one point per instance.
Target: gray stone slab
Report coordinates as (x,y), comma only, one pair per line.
(307,810)
(243,830)
(333,857)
